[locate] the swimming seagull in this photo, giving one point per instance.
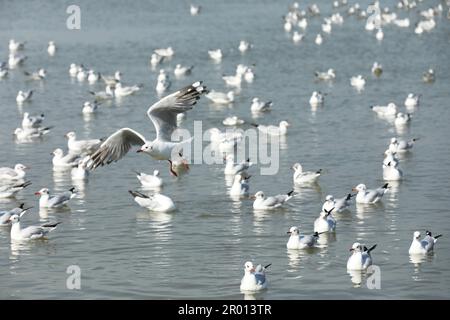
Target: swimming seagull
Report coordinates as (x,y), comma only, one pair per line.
(316,99)
(23,96)
(389,110)
(216,55)
(402,119)
(428,76)
(325,76)
(391,171)
(220,97)
(358,82)
(150,180)
(5,215)
(112,80)
(232,121)
(55,201)
(412,100)
(325,222)
(360,258)
(180,71)
(38,75)
(280,130)
(195,10)
(304,177)
(377,69)
(270,203)
(89,107)
(254,279)
(61,161)
(301,242)
(29,121)
(15,45)
(24,135)
(10,190)
(30,232)
(244,46)
(260,106)
(156,202)
(165,52)
(9,174)
(163,114)
(369,195)
(233,169)
(122,91)
(51,49)
(240,185)
(339,205)
(93,76)
(81,146)
(103,95)
(15,60)
(423,246)
(401,146)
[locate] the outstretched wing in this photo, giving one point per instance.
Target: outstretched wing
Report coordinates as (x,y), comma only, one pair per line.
(115,147)
(164,112)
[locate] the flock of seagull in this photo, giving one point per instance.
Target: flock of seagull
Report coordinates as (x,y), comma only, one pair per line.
(84,156)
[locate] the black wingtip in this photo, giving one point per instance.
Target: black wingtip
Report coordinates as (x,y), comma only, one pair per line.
(21,205)
(319,171)
(371,248)
(72,189)
(265,267)
(385,186)
(438,236)
(254,124)
(290,192)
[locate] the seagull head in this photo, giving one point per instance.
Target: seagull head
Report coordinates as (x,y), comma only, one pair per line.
(297,167)
(293,231)
(248,266)
(43,191)
(146,148)
(356,247)
(14,218)
(71,135)
(329,198)
(20,167)
(359,187)
(417,235)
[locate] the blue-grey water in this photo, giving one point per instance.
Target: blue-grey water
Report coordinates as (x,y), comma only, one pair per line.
(198,252)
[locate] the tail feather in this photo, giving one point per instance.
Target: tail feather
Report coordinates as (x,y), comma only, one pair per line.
(50,225)
(137,194)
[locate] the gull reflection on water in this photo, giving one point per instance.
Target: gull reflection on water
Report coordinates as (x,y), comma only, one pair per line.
(417,260)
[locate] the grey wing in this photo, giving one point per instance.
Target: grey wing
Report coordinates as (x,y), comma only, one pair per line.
(7,171)
(59,200)
(281,198)
(271,201)
(163,113)
(115,147)
(32,232)
(308,240)
(260,278)
(427,243)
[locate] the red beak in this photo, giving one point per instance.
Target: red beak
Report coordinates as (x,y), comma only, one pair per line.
(139,151)
(37,193)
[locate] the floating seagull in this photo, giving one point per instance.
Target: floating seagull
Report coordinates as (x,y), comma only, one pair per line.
(240,185)
(260,106)
(369,195)
(81,146)
(317,98)
(379,35)
(180,71)
(23,96)
(389,110)
(325,222)
(56,201)
(360,258)
(233,169)
(29,121)
(112,80)
(165,52)
(162,86)
(401,146)
(217,136)
(51,49)
(244,46)
(249,76)
(301,242)
(15,45)
(318,39)
(30,134)
(216,55)
(9,174)
(73,70)
(428,76)
(38,75)
(377,69)
(15,60)
(195,10)
(163,114)
(233,81)
(10,190)
(178,166)
(220,97)
(162,76)
(103,95)
(150,180)
(358,82)
(3,71)
(280,130)
(270,203)
(5,215)
(30,232)
(89,107)
(297,37)
(412,100)
(402,119)
(325,76)
(304,177)
(254,279)
(61,161)
(326,27)
(121,91)
(339,205)
(232,121)
(155,59)
(82,74)
(93,77)
(156,202)
(423,246)
(391,171)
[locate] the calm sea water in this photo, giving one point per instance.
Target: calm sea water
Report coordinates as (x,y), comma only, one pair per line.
(198,251)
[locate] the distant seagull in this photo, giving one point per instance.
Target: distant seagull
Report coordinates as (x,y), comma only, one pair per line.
(93,76)
(360,258)
(402,119)
(89,107)
(325,76)
(220,97)
(304,177)
(379,35)
(156,202)
(30,121)
(358,82)
(280,130)
(216,55)
(15,60)
(10,174)
(108,94)
(231,168)
(339,205)
(5,215)
(401,146)
(389,110)
(301,242)
(260,106)
(180,71)
(325,222)
(249,76)
(162,86)
(423,246)
(23,96)
(412,100)
(122,91)
(244,46)
(297,37)
(428,76)
(269,203)
(30,232)
(10,190)
(61,161)
(150,180)
(391,171)
(254,279)
(240,186)
(163,114)
(38,75)
(55,201)
(232,121)
(195,10)
(112,80)
(156,59)
(15,45)
(318,39)
(25,135)
(377,69)
(165,52)
(81,146)
(51,49)
(369,195)
(316,99)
